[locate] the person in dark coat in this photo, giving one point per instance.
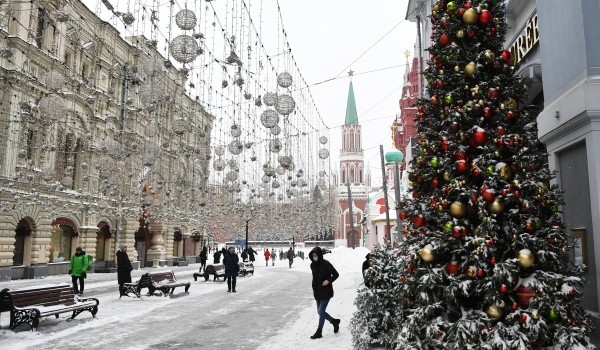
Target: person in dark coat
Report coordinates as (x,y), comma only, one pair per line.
(124,269)
(251,253)
(365,265)
(290,256)
(217,257)
(203,258)
(324,274)
(245,255)
(231,268)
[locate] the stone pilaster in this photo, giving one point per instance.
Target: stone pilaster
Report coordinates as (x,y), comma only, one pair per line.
(40,242)
(157,248)
(87,239)
(128,237)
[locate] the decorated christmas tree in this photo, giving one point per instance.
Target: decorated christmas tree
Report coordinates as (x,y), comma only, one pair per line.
(485,261)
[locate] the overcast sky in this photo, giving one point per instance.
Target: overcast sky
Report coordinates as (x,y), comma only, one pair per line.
(328,38)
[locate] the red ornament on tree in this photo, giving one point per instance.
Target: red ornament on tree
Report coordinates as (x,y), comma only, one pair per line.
(452,267)
(524,295)
(479,137)
(485,17)
(444,39)
(503,289)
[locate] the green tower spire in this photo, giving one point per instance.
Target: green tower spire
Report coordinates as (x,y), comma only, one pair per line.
(351,115)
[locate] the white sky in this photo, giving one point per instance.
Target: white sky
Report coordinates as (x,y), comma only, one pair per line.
(327,38)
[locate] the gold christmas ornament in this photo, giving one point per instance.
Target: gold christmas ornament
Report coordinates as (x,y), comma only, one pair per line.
(470,16)
(458,209)
(494,312)
(525,258)
(496,206)
(426,253)
(489,55)
(503,171)
(470,68)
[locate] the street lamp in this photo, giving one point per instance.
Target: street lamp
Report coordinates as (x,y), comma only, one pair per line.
(249,216)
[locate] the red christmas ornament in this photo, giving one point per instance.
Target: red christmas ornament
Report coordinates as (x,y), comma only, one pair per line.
(458,232)
(454,127)
(487,112)
(503,289)
(461,156)
(480,273)
(500,130)
(523,318)
(462,166)
(460,12)
(506,56)
(418,220)
(479,136)
(524,295)
(485,17)
(493,260)
(467,5)
(452,267)
(409,270)
(488,194)
(476,172)
(435,183)
(402,215)
(444,39)
(514,306)
(571,292)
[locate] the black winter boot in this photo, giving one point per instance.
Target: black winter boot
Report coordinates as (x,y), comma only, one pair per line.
(317,334)
(229,285)
(233,286)
(336,325)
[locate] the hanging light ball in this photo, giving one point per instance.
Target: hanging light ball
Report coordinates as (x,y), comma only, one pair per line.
(236,130)
(323,140)
(266,179)
(284,79)
(185,19)
(285,104)
(179,126)
(270,98)
(219,164)
(184,49)
(275,184)
(322,184)
(269,170)
(231,176)
(276,130)
(285,161)
(55,80)
(323,153)
(280,170)
(52,107)
(150,94)
(235,147)
(152,67)
(269,118)
(128,18)
(232,164)
(275,145)
(322,173)
(219,150)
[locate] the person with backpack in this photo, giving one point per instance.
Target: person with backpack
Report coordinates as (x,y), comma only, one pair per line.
(80,264)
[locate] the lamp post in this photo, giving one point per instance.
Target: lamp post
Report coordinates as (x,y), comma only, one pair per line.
(247,219)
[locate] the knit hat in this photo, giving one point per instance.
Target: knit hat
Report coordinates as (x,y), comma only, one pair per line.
(78,248)
(122,246)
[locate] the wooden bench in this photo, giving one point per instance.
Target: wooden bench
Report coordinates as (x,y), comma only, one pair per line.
(28,305)
(163,281)
(217,270)
(246,268)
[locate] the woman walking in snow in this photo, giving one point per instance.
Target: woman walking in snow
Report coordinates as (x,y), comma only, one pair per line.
(267,256)
(231,268)
(323,276)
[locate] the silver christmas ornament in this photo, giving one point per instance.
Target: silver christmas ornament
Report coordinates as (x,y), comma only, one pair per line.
(285,104)
(284,79)
(184,49)
(185,19)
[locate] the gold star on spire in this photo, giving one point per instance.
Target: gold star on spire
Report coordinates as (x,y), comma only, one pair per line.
(350,73)
(407,54)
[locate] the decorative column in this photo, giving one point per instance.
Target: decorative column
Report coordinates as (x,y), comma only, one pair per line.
(157,250)
(127,236)
(88,236)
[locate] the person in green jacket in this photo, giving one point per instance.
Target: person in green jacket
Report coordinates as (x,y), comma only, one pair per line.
(80,264)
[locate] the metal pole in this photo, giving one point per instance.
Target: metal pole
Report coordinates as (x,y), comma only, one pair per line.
(121,139)
(397,192)
(351,210)
(247,235)
(385,194)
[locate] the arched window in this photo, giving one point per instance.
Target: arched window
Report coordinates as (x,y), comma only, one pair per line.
(343,177)
(61,240)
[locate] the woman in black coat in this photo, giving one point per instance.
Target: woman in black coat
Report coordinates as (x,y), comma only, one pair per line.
(203,258)
(231,268)
(324,274)
(124,269)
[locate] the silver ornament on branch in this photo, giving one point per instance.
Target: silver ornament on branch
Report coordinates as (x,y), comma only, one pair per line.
(269,118)
(219,150)
(184,49)
(219,164)
(55,80)
(285,104)
(179,126)
(284,161)
(232,164)
(280,170)
(236,130)
(52,107)
(275,146)
(266,179)
(231,176)
(323,140)
(284,79)
(276,130)
(275,184)
(270,98)
(235,147)
(323,153)
(185,19)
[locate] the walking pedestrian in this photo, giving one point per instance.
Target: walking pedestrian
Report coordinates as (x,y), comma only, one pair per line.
(217,257)
(231,269)
(203,258)
(324,274)
(124,269)
(80,264)
(273,256)
(245,255)
(267,256)
(290,256)
(251,253)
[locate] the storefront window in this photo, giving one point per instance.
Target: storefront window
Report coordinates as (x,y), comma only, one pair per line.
(60,243)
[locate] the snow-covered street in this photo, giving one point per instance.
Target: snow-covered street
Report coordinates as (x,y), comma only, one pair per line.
(272,309)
